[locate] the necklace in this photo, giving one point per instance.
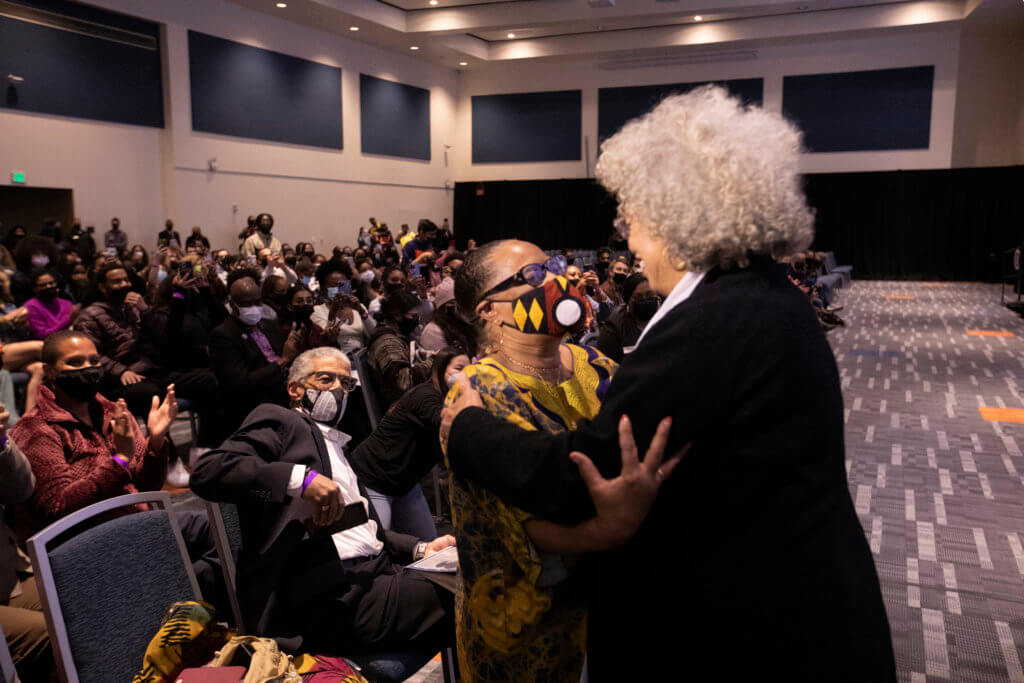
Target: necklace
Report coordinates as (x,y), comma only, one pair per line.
(551,373)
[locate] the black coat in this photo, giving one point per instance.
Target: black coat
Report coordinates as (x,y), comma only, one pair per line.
(279,571)
(752,564)
(246,378)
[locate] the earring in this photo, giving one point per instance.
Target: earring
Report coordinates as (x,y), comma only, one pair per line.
(677,264)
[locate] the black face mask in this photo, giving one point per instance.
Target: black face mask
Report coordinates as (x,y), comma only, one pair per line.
(408,325)
(392,287)
(645,307)
(48,293)
(619,278)
(80,385)
(301,314)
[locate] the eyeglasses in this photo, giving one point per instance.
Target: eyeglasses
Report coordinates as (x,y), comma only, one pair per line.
(326,381)
(531,274)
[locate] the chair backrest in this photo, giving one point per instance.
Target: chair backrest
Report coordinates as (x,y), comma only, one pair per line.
(107,585)
(830,261)
(7,672)
(370,395)
(589,339)
(227,537)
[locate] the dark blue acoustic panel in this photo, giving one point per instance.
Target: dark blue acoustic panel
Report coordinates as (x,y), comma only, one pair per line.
(254,93)
(395,118)
(70,73)
(617,106)
(862,110)
(536,126)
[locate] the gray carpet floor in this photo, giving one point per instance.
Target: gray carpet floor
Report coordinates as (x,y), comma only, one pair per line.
(938,487)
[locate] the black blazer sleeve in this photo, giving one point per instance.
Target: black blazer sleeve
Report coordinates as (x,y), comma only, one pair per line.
(248,466)
(677,372)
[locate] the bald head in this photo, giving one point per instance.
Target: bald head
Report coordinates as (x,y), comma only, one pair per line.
(244,292)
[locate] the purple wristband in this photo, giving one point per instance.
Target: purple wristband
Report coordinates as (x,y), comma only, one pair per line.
(121,460)
(178,295)
(309,480)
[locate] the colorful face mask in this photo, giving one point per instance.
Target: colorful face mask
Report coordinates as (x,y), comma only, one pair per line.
(553,309)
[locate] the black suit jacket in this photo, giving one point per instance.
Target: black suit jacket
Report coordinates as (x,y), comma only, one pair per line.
(279,569)
(752,563)
(244,374)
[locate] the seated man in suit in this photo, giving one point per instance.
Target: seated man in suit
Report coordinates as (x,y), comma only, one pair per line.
(250,359)
(315,562)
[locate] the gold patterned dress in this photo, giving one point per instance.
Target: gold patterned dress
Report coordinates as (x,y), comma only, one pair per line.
(521,615)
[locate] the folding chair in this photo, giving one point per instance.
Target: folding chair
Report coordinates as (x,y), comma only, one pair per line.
(106,587)
(227,538)
(7,672)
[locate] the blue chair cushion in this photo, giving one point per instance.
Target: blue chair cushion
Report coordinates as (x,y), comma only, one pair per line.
(115,583)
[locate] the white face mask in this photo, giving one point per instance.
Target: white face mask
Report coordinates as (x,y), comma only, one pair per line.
(250,315)
(366,276)
(453,378)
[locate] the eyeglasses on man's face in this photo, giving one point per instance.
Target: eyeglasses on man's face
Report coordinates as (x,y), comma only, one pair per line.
(327,381)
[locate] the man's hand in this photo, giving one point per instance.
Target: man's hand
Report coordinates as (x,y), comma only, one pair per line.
(439,544)
(161,417)
(293,345)
(133,298)
(324,496)
(421,286)
(468,398)
(622,503)
(121,430)
(128,377)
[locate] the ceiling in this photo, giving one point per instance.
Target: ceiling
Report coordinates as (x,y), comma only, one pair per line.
(475,33)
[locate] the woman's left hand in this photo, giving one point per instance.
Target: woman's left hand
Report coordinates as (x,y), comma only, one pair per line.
(162,415)
(622,503)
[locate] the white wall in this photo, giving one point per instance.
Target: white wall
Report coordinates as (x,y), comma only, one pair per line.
(990,100)
(145,175)
(910,48)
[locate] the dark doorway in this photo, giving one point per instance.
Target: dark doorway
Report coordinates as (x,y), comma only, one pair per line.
(32,206)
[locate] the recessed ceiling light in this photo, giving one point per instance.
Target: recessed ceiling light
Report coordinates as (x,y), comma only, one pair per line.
(511,35)
(698,18)
(414,47)
(353,28)
(432,2)
(463,63)
(282,5)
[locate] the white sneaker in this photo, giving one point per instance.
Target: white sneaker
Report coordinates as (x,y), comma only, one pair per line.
(177,475)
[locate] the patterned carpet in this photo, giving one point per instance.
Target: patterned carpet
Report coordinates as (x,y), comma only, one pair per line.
(937,486)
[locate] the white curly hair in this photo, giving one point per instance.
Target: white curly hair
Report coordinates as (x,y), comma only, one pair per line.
(712,179)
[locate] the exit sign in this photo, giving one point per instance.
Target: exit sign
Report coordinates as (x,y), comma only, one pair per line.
(17,177)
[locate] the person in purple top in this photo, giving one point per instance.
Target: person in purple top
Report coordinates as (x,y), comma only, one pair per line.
(47,312)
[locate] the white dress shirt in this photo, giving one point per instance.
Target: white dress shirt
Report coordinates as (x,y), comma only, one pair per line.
(359,541)
(680,293)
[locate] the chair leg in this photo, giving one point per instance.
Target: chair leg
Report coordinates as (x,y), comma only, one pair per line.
(193,425)
(448,664)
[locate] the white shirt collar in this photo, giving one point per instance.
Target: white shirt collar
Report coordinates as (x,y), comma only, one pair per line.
(330,433)
(680,293)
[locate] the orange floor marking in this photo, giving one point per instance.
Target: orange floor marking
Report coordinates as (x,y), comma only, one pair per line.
(989,333)
(901,297)
(1002,414)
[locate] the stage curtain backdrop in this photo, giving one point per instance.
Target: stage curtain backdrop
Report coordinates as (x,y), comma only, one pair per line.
(908,225)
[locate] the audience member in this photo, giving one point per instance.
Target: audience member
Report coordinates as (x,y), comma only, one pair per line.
(13,318)
(618,271)
(31,253)
(168,236)
(47,312)
(21,611)
(604,261)
(262,237)
(531,624)
(197,240)
(7,264)
(114,238)
(78,284)
(403,448)
(446,328)
(81,242)
(422,243)
(250,358)
(274,293)
(315,562)
(389,355)
(84,448)
(623,327)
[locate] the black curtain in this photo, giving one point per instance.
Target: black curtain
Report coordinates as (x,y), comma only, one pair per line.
(911,225)
(552,214)
(920,225)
